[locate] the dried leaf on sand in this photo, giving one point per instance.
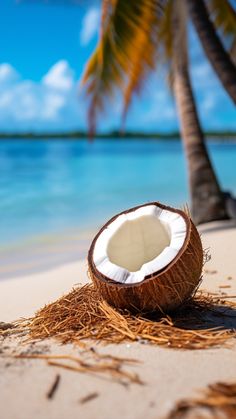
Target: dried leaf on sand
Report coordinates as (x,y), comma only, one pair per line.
(217,401)
(93,363)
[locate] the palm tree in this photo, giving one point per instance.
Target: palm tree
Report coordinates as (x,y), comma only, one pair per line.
(134,37)
(224,15)
(206,197)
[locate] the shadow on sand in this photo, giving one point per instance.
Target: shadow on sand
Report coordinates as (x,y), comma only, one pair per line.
(203,312)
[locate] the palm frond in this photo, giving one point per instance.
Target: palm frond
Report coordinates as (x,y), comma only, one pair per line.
(233,51)
(107,7)
(172,36)
(127,36)
(165,38)
(144,56)
(223,15)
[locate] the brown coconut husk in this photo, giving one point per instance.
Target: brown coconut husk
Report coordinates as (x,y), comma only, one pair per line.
(164,290)
(217,401)
(203,322)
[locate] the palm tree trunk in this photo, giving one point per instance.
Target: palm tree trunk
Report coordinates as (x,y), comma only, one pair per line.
(213,47)
(207,203)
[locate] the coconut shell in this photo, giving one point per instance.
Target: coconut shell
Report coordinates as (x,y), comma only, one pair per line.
(164,290)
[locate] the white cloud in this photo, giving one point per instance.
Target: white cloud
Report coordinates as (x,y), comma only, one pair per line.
(51,103)
(208,103)
(161,113)
(90,25)
(60,76)
(7,74)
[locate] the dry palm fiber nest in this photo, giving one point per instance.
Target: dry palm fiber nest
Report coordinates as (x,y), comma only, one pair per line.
(217,401)
(202,322)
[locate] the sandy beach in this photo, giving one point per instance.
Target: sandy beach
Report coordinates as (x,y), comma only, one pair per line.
(168,375)
(117,158)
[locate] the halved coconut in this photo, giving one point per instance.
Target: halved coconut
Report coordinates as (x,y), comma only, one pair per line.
(147,258)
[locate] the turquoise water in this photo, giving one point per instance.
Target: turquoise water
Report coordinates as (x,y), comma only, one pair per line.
(49,187)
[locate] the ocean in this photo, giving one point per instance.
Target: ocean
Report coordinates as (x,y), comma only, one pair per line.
(62,188)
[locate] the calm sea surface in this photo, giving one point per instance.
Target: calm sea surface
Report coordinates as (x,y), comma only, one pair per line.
(59,187)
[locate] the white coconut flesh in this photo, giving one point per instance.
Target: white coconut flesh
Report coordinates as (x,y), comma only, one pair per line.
(139,243)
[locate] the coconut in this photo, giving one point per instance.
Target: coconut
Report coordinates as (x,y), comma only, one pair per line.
(147,258)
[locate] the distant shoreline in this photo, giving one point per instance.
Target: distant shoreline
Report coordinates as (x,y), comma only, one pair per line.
(113,135)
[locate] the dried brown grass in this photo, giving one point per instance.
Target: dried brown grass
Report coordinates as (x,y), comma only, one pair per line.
(203,322)
(93,363)
(217,401)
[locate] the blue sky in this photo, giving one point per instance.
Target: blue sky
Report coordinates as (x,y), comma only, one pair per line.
(42,54)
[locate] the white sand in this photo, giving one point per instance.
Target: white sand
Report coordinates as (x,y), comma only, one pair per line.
(21,297)
(169,374)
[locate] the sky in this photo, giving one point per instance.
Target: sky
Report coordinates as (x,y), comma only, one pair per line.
(43,51)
